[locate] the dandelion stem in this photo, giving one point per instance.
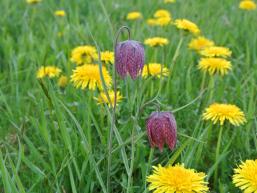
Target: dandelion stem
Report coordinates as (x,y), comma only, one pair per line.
(217,154)
(150,158)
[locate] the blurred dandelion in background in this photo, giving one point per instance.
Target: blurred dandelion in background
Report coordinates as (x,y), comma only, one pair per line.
(63,81)
(33,1)
(187,25)
(171,179)
(156,42)
(215,65)
(155,69)
(88,75)
(48,71)
(84,54)
(162,17)
(245,176)
(103,99)
(200,43)
(222,112)
(60,13)
(247,5)
(169,1)
(135,15)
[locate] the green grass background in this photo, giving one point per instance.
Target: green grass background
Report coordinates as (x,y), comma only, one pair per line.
(54,141)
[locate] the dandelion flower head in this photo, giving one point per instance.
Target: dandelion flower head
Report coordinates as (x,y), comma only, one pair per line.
(135,15)
(155,69)
(88,75)
(245,176)
(84,54)
(222,112)
(187,25)
(215,65)
(48,71)
(173,179)
(156,41)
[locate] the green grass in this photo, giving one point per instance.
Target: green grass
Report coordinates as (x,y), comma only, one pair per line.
(54,141)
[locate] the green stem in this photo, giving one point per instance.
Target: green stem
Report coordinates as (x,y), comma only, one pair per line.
(150,158)
(217,155)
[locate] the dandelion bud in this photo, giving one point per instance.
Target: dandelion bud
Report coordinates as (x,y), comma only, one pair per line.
(162,128)
(129,58)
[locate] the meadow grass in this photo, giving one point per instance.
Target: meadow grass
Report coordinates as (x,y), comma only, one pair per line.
(54,140)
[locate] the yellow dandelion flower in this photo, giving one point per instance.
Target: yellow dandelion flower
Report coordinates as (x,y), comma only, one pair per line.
(215,65)
(60,13)
(245,176)
(154,69)
(83,54)
(135,15)
(247,5)
(88,75)
(107,57)
(63,81)
(187,25)
(102,98)
(33,1)
(169,1)
(163,21)
(152,22)
(177,179)
(200,43)
(156,41)
(48,71)
(162,13)
(221,112)
(216,51)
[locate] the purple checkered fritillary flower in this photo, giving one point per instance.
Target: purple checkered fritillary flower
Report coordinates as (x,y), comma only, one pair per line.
(161,129)
(129,58)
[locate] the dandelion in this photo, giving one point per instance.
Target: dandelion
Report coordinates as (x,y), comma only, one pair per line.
(83,54)
(48,71)
(216,51)
(156,41)
(162,17)
(129,58)
(169,1)
(221,112)
(102,98)
(247,5)
(152,22)
(33,1)
(135,15)
(60,13)
(63,81)
(187,25)
(162,128)
(155,69)
(200,43)
(107,57)
(88,75)
(162,13)
(245,176)
(215,65)
(177,179)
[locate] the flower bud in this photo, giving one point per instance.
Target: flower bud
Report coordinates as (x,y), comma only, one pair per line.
(129,58)
(162,128)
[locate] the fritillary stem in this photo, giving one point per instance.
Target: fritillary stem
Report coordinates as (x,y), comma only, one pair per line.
(109,159)
(217,154)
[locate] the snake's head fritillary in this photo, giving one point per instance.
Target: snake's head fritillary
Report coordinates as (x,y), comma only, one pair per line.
(129,58)
(161,129)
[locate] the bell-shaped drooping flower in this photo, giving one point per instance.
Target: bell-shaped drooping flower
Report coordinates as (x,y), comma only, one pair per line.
(129,58)
(161,129)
